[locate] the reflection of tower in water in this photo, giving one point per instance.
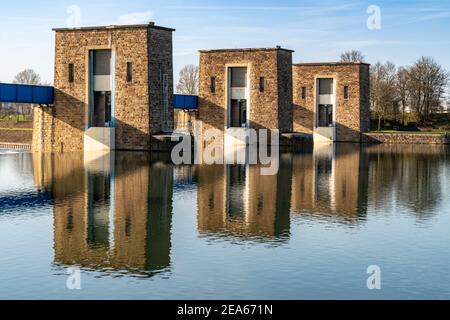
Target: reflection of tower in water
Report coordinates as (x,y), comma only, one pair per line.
(237,200)
(118,218)
(331,181)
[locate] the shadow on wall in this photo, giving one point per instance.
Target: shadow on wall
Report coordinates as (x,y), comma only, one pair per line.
(304,121)
(62,128)
(214,116)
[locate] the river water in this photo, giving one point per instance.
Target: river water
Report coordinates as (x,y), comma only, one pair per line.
(134,226)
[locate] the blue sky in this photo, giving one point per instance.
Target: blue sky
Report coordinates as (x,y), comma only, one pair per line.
(316,30)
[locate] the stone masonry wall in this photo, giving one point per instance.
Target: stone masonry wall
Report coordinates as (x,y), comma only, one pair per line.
(364,84)
(268,109)
(352,114)
(405,138)
(285,95)
(160,63)
(132,98)
(185,120)
(136,116)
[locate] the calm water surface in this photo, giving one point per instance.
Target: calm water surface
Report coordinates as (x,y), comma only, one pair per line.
(141,228)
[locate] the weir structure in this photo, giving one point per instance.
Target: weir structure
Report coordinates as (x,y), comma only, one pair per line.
(113,90)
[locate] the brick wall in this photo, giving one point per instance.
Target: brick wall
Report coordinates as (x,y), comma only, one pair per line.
(285,91)
(271,109)
(405,138)
(160,64)
(364,83)
(132,98)
(137,103)
(185,120)
(352,114)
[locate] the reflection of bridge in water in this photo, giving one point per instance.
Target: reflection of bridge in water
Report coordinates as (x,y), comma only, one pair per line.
(115,212)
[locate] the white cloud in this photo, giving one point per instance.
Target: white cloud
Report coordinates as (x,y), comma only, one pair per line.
(136,17)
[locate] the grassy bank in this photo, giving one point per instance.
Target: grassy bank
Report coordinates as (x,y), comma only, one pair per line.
(412,132)
(16,129)
(15,118)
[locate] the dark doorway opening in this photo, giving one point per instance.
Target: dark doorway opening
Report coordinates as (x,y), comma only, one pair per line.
(238,113)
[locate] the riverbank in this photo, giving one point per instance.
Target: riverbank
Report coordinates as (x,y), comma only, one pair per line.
(24,137)
(16,132)
(16,136)
(406,138)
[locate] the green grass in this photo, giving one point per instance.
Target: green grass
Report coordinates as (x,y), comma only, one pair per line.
(16,129)
(16,118)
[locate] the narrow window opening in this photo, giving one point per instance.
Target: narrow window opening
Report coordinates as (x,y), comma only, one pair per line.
(303,93)
(129,71)
(71,73)
(213,85)
(346,92)
(262,84)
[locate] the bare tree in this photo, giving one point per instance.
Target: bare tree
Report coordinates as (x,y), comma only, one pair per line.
(403,89)
(27,76)
(447,102)
(383,90)
(189,79)
(352,56)
(428,83)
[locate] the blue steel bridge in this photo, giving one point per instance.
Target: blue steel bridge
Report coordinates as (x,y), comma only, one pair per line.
(22,93)
(45,96)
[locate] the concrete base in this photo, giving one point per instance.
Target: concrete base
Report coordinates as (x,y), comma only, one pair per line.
(99,139)
(236,137)
(324,134)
